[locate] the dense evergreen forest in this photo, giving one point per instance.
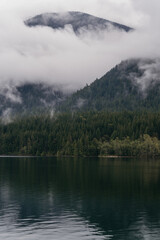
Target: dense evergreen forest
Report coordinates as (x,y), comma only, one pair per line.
(120,89)
(83,134)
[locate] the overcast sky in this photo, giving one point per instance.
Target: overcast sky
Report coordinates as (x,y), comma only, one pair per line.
(60,57)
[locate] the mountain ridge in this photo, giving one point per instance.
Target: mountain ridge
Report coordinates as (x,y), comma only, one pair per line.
(132,85)
(122,88)
(78,21)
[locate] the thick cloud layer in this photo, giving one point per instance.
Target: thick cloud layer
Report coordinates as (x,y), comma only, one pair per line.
(60,57)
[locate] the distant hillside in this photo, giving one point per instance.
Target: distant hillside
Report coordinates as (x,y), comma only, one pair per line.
(29,99)
(132,85)
(78,20)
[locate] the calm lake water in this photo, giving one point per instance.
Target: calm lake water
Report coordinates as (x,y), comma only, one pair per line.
(79,199)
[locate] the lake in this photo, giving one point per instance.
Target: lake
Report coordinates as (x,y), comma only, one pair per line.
(79,199)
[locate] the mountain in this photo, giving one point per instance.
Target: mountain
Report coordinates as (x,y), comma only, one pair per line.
(78,20)
(132,85)
(29,98)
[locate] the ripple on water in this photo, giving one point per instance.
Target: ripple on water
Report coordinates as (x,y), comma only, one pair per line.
(67,227)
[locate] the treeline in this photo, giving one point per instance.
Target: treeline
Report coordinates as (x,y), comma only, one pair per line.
(144,146)
(83,134)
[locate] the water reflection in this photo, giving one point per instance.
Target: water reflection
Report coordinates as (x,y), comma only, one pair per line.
(79,198)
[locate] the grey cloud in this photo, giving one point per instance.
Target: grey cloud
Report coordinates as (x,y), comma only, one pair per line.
(151,74)
(60,57)
(7,116)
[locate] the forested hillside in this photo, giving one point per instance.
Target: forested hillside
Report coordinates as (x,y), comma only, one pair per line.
(29,99)
(83,134)
(132,85)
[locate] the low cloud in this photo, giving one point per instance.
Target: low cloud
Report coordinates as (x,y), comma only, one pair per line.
(151,74)
(59,57)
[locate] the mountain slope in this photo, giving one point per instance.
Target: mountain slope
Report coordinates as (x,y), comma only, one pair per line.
(29,99)
(78,20)
(132,85)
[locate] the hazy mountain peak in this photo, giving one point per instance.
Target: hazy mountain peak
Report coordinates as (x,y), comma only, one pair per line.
(78,21)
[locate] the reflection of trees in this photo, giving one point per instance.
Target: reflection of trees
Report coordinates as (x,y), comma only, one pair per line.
(109,193)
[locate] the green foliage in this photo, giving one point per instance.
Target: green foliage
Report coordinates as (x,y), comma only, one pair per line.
(83,134)
(144,146)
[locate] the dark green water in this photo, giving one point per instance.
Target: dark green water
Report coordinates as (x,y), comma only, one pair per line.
(79,199)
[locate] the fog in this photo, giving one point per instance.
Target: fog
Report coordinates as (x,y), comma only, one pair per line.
(59,57)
